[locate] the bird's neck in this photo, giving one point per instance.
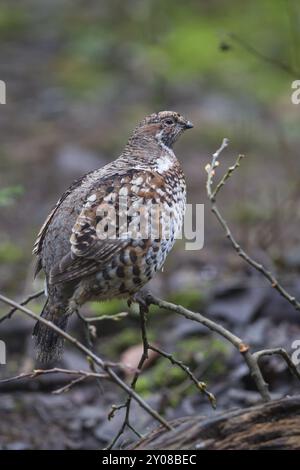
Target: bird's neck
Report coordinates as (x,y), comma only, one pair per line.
(147,149)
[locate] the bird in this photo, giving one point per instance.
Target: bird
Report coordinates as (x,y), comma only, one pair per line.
(88,250)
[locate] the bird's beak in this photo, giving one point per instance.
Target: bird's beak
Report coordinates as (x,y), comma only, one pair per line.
(189,125)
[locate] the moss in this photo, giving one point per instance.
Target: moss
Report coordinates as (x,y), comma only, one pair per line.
(161,375)
(115,345)
(9,194)
(109,307)
(144,385)
(10,253)
(190,298)
(193,351)
(13,21)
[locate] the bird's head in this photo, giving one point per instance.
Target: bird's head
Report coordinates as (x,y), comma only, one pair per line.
(165,126)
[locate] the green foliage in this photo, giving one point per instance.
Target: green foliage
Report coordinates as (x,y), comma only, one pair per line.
(110,307)
(9,194)
(193,352)
(176,41)
(161,375)
(121,341)
(190,298)
(13,21)
(10,253)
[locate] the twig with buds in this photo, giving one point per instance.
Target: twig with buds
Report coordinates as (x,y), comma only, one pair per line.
(252,360)
(201,386)
(212,193)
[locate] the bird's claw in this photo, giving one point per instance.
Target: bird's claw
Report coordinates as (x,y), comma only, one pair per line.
(141,298)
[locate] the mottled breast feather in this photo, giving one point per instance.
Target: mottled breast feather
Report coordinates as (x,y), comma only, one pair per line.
(141,188)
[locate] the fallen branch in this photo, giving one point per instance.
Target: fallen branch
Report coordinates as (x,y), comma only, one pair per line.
(268,426)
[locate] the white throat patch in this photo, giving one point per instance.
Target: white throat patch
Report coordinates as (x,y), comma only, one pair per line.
(164,164)
(167,161)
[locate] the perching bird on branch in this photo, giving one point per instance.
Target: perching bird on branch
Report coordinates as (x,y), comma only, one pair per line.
(95,244)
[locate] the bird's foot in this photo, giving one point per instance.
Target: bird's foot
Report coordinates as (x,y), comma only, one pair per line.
(141,298)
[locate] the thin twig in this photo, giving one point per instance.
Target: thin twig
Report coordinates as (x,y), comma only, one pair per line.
(24,302)
(200,385)
(263,57)
(90,334)
(237,342)
(127,405)
(68,386)
(116,317)
(226,176)
(56,370)
(210,167)
(279,352)
(251,359)
(143,309)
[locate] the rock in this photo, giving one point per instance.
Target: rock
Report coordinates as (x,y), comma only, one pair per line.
(91,415)
(237,303)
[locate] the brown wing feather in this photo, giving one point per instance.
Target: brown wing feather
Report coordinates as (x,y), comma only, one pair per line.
(37,247)
(39,240)
(88,251)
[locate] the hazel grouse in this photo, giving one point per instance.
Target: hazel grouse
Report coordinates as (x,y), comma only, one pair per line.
(79,258)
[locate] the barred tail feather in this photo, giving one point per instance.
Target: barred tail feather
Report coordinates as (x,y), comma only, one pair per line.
(49,344)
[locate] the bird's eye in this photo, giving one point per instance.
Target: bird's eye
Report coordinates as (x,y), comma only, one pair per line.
(169,122)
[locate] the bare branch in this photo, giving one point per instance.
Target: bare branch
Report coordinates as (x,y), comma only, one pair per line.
(226,176)
(214,208)
(56,370)
(127,405)
(116,317)
(143,309)
(237,342)
(24,302)
(103,365)
(279,352)
(67,387)
(200,385)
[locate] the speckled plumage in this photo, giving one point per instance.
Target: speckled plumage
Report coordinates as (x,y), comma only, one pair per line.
(74,247)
